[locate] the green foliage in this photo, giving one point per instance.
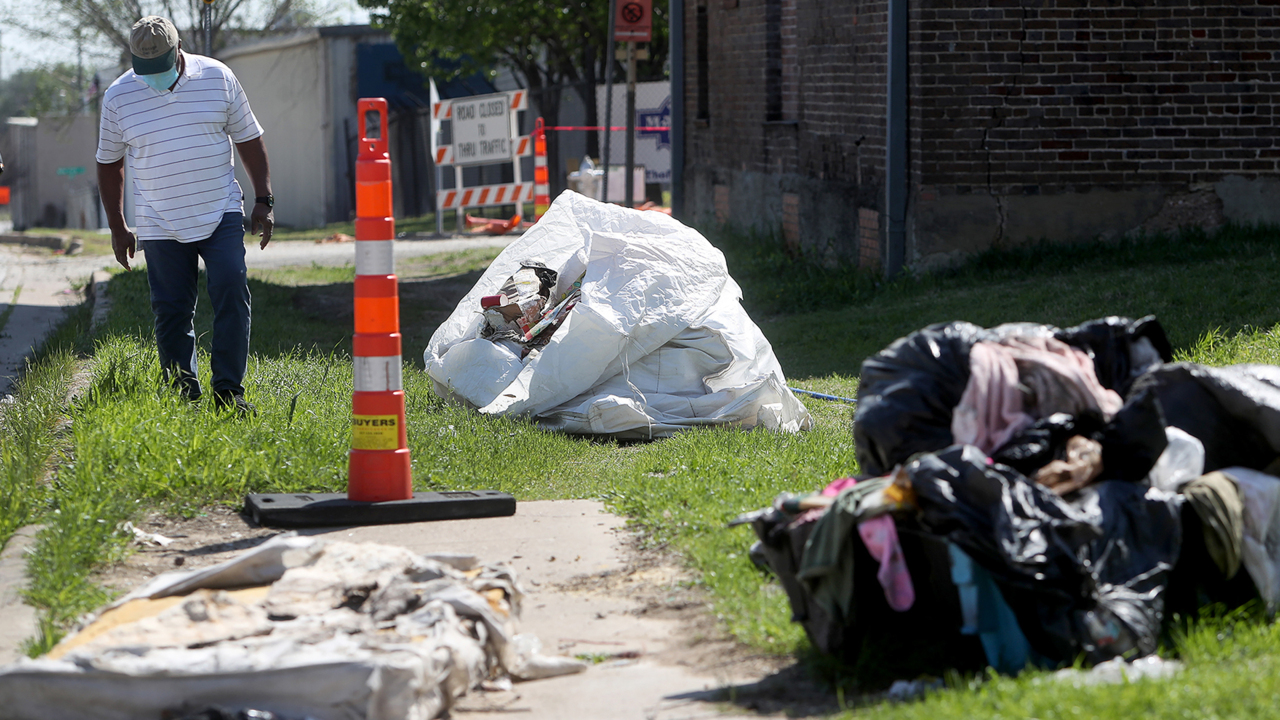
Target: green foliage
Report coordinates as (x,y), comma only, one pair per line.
(40,92)
(550,43)
(828,319)
(1231,662)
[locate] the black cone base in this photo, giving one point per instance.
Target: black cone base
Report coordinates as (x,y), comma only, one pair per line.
(299,510)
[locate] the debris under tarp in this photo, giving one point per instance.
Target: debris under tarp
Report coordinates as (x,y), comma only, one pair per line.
(1045,495)
(297,627)
(604,320)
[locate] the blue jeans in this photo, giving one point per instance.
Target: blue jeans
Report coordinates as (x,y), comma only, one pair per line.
(172,271)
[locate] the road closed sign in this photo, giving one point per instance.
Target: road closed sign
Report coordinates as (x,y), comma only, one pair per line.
(482,129)
(634,21)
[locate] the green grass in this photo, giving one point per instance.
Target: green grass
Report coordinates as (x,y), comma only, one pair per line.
(827,320)
(414,268)
(138,447)
(1230,667)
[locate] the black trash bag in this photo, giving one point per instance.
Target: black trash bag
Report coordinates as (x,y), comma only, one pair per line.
(879,643)
(1234,411)
(1131,442)
(1046,441)
(908,392)
(1085,577)
(1121,349)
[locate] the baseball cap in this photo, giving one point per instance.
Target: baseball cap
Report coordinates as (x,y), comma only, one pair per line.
(154,45)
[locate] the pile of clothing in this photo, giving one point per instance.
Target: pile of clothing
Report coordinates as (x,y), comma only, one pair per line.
(1035,495)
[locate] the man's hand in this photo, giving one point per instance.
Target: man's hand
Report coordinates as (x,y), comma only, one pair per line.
(124,242)
(263,217)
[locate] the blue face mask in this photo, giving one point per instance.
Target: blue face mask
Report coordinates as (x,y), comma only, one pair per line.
(161,81)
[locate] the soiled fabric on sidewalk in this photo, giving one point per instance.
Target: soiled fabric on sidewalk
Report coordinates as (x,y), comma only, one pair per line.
(1216,499)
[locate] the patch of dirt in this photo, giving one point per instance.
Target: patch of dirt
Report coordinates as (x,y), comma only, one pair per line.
(424,302)
(216,535)
(1200,208)
(662,589)
(657,582)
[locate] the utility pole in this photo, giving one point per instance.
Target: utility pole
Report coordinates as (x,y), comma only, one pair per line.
(83,102)
(208,28)
(631,123)
(608,98)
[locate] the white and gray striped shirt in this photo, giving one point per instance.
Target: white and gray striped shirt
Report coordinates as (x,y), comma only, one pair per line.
(179,145)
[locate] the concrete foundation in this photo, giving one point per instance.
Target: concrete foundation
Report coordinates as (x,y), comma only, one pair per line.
(943,229)
(823,213)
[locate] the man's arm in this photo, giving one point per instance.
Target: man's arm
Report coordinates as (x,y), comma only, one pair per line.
(111,188)
(254,156)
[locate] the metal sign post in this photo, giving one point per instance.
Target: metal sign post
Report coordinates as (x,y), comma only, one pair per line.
(633,22)
(631,124)
(208,28)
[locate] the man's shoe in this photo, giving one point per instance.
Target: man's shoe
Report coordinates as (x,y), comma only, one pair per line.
(235,403)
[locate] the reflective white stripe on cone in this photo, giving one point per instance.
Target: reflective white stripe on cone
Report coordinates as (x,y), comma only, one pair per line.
(375,257)
(378,374)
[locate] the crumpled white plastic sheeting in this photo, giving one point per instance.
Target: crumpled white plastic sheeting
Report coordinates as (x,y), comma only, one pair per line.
(1117,670)
(346,631)
(658,343)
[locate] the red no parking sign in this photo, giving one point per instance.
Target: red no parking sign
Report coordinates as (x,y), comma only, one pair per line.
(634,21)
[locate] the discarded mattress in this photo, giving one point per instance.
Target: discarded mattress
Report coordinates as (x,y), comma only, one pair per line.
(647,333)
(297,627)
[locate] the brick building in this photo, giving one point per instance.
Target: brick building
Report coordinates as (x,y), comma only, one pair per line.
(1027,119)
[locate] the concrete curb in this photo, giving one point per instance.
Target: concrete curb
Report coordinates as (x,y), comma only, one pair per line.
(17,619)
(95,293)
(56,242)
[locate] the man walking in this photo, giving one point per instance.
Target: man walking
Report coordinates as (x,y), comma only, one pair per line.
(175,115)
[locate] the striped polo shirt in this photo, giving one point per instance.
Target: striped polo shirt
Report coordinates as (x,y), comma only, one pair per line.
(179,145)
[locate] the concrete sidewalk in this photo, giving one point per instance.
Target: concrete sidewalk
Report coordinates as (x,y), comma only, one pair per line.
(589,591)
(36,288)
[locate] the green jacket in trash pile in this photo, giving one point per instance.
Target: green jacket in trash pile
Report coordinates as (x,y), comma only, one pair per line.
(1053,495)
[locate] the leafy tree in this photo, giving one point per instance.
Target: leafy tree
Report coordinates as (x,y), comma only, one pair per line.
(550,43)
(106,23)
(40,92)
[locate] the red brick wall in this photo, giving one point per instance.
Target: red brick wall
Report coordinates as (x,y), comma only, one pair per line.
(1049,96)
(833,101)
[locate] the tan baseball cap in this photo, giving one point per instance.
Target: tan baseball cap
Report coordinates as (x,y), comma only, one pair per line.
(154,45)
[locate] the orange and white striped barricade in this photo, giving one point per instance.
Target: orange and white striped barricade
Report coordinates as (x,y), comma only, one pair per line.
(483,130)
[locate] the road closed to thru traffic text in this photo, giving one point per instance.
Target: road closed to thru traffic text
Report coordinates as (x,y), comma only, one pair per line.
(482,130)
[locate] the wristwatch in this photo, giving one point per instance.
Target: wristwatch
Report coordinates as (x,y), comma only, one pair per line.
(268,200)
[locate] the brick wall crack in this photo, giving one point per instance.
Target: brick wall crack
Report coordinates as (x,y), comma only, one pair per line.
(1001,113)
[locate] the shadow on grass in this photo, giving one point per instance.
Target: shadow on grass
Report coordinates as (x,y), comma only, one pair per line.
(823,320)
(289,318)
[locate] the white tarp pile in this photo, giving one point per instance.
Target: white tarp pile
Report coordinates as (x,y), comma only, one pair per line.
(317,629)
(657,343)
